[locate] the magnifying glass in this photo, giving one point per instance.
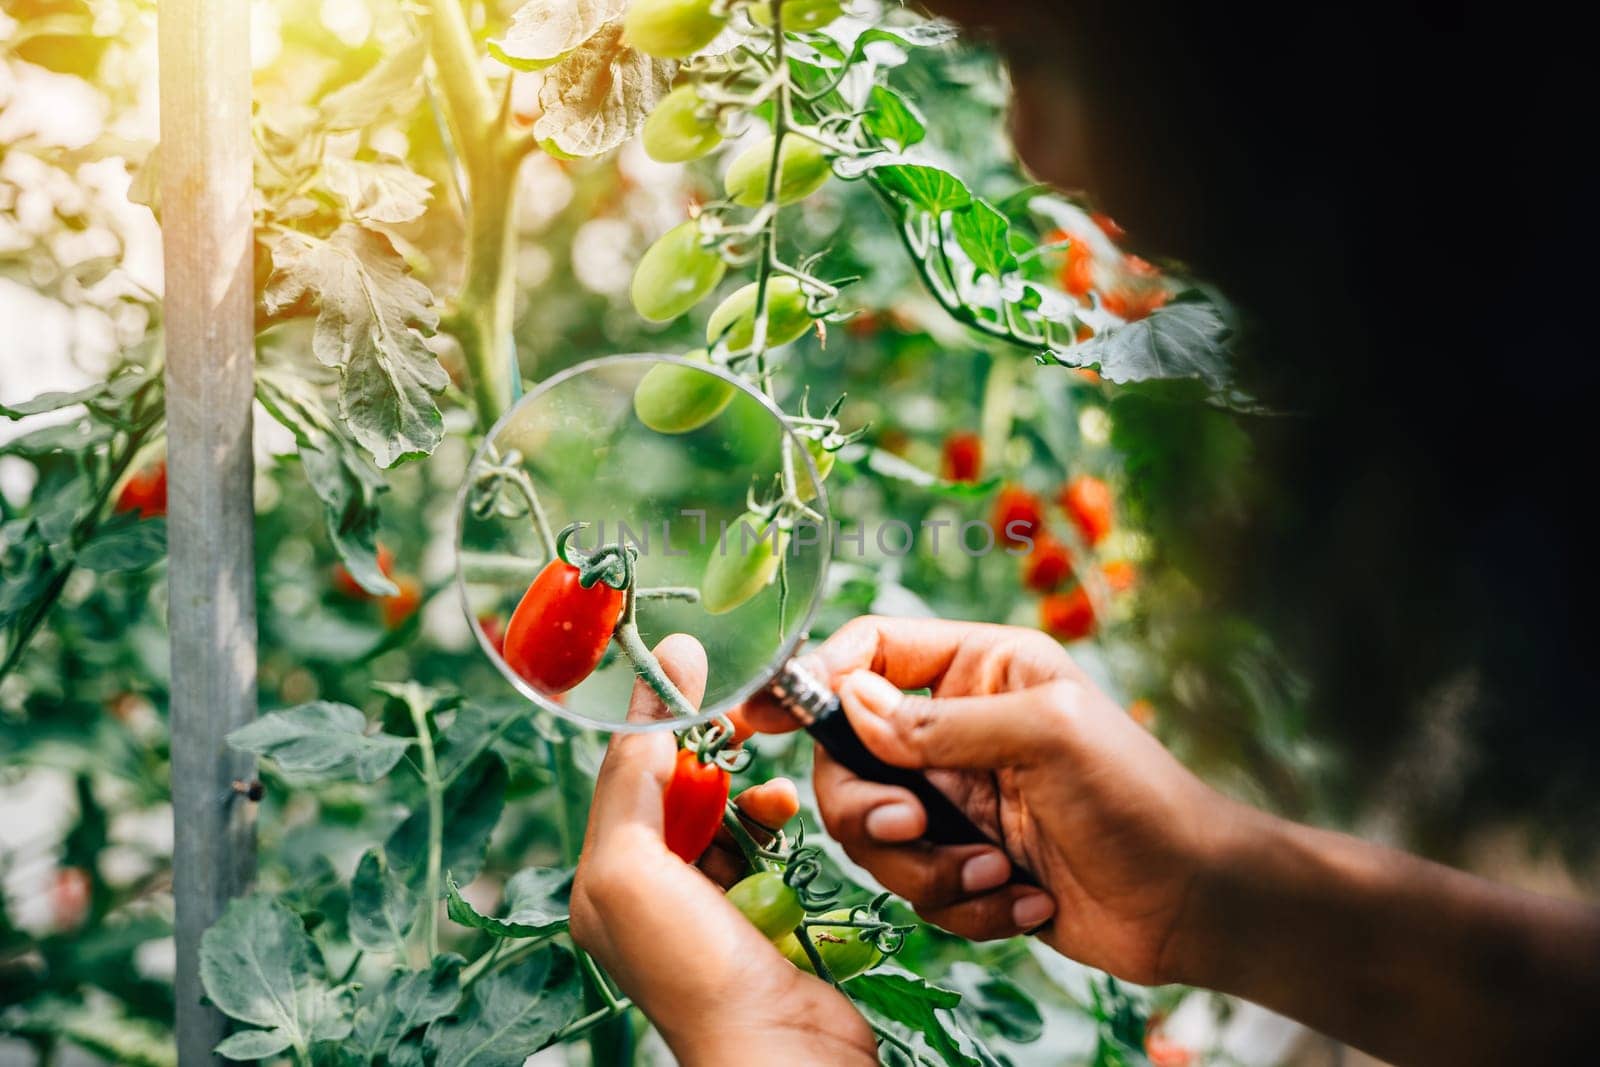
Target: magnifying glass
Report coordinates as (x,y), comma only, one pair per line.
(635,496)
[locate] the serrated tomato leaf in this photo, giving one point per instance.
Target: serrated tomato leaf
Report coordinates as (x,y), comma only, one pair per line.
(320,742)
(928,188)
(381,906)
(1186,339)
(984,234)
(372,316)
(598,95)
(535,904)
(511,1014)
(259,966)
(472,806)
(408,1000)
(542,32)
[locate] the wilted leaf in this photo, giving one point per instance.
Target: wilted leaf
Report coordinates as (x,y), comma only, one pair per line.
(598,96)
(511,1014)
(381,192)
(392,87)
(543,31)
(370,323)
(321,741)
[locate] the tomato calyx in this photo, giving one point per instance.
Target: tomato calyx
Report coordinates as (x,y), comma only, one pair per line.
(611,564)
(713,742)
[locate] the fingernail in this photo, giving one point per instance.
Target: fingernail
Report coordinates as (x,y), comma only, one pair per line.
(874,692)
(1031,910)
(892,822)
(987,870)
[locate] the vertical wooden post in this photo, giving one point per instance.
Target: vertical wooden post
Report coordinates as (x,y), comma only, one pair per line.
(210,339)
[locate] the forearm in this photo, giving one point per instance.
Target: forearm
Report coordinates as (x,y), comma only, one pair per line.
(1409,960)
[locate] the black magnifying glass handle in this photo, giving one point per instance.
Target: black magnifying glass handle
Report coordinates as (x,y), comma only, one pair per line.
(817,708)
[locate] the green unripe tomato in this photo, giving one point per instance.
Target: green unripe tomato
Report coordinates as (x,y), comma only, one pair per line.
(845,958)
(802,168)
(823,460)
(743,562)
(671,29)
(770,905)
(674,399)
(675,274)
(787,317)
(799,16)
(677,131)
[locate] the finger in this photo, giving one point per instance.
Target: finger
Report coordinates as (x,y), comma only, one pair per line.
(1007,912)
(684,663)
(919,653)
(771,804)
(933,876)
(1020,728)
(854,808)
(762,714)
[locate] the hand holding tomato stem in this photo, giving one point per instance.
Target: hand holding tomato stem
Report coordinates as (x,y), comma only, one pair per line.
(712,984)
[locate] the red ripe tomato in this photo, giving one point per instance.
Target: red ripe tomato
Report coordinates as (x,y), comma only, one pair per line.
(1081,333)
(560,630)
(346,583)
(1018,516)
(1120,575)
(1077,272)
(145,492)
(69,898)
(963,457)
(495,630)
(1048,566)
(693,802)
(404,604)
(1134,304)
(1067,616)
(1088,503)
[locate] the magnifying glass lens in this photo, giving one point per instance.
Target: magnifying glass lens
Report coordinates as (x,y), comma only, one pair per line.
(684,503)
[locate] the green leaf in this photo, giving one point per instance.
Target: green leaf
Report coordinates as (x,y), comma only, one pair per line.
(535,904)
(393,87)
(984,235)
(372,317)
(339,473)
(50,402)
(888,465)
(80,435)
(131,546)
(1186,339)
(599,94)
(543,32)
(891,117)
(381,907)
(104,1030)
(913,1002)
(929,188)
(320,742)
(259,966)
(472,807)
(996,1002)
(408,1000)
(377,191)
(511,1014)
(253,1044)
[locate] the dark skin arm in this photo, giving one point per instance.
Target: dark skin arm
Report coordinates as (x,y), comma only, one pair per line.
(1155,877)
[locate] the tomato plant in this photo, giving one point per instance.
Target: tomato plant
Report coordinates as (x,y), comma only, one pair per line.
(446,204)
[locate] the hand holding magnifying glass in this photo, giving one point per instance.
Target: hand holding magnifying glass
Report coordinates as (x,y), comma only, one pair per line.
(636,496)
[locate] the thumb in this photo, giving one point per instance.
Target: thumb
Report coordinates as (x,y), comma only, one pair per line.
(1019,728)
